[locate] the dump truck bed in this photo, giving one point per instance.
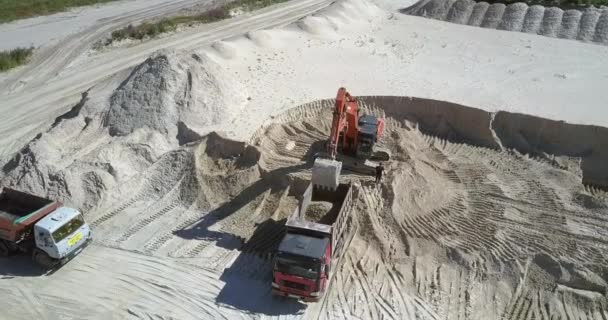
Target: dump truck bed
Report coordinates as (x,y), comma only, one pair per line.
(332,222)
(19,211)
(323,206)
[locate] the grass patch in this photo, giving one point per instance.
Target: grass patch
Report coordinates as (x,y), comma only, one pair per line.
(14,58)
(153,29)
(250,5)
(19,9)
(147,29)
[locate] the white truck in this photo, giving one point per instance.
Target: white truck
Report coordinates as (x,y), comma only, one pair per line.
(52,233)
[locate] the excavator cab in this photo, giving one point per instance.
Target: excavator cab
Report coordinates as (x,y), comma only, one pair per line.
(367,136)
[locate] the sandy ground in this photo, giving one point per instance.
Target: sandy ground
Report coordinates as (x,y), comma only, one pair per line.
(185,218)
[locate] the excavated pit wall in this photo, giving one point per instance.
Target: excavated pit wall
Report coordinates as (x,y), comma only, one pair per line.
(588,25)
(536,136)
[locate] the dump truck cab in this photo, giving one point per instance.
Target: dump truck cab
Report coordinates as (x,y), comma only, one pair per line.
(301,265)
(62,233)
(317,233)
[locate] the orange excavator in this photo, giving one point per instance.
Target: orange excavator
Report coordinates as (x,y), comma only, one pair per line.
(351,144)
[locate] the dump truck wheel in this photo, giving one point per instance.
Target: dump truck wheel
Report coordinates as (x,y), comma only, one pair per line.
(43,259)
(4,251)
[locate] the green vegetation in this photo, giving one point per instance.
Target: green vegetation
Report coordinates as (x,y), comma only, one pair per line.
(14,58)
(148,29)
(152,29)
(18,9)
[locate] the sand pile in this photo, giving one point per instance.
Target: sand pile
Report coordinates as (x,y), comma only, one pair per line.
(588,25)
(178,96)
(224,169)
(47,165)
(318,210)
(105,147)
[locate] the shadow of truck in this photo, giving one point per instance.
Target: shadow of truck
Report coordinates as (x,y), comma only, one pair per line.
(248,279)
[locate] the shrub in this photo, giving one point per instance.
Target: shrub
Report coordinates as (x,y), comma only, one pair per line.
(152,29)
(14,58)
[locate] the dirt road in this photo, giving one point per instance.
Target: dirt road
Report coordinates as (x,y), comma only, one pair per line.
(69,39)
(44,31)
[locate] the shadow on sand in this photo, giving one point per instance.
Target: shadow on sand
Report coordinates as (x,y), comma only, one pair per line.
(275,181)
(248,288)
(248,279)
(20,266)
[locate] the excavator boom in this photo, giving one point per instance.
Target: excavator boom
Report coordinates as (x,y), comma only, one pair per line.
(326,172)
(344,123)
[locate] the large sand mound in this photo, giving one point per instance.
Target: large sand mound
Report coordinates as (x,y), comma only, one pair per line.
(177,96)
(103,143)
(589,25)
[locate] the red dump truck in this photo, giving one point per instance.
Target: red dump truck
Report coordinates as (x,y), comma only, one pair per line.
(49,231)
(314,242)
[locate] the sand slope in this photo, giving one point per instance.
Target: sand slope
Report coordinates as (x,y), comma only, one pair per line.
(104,142)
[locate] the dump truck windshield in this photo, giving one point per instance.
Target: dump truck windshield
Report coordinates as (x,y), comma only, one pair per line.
(68,228)
(298,267)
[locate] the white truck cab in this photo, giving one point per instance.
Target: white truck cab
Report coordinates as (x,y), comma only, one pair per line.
(62,234)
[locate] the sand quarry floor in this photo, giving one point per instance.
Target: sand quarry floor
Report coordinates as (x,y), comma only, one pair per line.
(188,164)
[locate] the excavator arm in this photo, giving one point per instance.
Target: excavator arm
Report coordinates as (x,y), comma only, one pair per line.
(326,171)
(338,123)
(346,113)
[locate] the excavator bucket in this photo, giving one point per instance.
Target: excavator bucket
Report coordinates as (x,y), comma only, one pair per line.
(326,173)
